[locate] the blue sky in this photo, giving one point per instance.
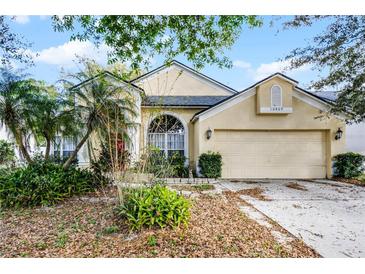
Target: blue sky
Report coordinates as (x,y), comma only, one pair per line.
(255,55)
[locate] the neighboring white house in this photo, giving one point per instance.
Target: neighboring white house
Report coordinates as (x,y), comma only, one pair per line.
(355,138)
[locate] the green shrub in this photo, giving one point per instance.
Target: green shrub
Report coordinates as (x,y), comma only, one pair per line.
(44,183)
(166,167)
(210,164)
(104,161)
(348,165)
(179,170)
(7,154)
(154,206)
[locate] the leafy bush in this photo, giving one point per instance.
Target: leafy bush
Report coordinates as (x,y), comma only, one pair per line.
(177,162)
(348,165)
(165,167)
(44,183)
(7,154)
(154,206)
(210,164)
(104,161)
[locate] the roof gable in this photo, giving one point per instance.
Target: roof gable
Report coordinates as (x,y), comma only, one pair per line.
(110,75)
(178,79)
(301,94)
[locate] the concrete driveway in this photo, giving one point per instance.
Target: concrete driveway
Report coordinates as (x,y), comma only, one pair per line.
(329,216)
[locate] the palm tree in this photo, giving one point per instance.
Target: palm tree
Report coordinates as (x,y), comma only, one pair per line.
(94,102)
(13,89)
(49,115)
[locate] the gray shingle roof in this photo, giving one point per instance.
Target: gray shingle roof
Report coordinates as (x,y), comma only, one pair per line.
(327,95)
(204,101)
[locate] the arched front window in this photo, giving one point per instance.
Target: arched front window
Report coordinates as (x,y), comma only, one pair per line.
(276,96)
(168,134)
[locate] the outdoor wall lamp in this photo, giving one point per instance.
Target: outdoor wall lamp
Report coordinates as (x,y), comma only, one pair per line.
(338,134)
(209,133)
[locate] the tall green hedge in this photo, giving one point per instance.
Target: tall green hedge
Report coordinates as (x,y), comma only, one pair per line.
(210,164)
(348,165)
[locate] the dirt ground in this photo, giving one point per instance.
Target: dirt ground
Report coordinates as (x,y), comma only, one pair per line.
(87,227)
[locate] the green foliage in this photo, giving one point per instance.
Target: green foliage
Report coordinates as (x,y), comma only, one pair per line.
(338,53)
(154,206)
(7,155)
(107,108)
(165,167)
(151,240)
(61,240)
(202,187)
(45,183)
(110,230)
(179,169)
(106,161)
(201,39)
(210,164)
(348,165)
(12,46)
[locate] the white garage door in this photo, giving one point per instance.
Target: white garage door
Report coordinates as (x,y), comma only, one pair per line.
(272,154)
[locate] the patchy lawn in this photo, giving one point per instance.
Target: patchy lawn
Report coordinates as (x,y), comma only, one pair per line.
(86,227)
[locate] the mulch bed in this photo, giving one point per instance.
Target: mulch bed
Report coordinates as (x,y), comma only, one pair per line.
(87,228)
(351,181)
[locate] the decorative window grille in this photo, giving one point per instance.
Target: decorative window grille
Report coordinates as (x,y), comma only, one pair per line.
(167,133)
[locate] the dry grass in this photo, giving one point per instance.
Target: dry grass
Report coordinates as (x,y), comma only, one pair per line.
(81,228)
(194,188)
(296,186)
(359,181)
(255,193)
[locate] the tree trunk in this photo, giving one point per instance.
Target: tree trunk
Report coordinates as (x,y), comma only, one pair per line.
(22,148)
(67,164)
(48,149)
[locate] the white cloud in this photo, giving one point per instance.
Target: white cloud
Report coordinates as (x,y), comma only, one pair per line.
(241,64)
(22,19)
(65,55)
(265,70)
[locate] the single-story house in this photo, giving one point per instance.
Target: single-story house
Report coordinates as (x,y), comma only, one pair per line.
(272,129)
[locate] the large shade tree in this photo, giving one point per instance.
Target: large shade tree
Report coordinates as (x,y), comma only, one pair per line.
(338,52)
(135,39)
(12,46)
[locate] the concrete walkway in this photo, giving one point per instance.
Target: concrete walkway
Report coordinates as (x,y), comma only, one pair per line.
(329,216)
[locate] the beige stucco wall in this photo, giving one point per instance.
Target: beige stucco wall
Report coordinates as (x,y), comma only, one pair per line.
(243,116)
(173,81)
(264,93)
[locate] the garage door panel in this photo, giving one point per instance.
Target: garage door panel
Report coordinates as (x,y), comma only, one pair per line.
(272,154)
